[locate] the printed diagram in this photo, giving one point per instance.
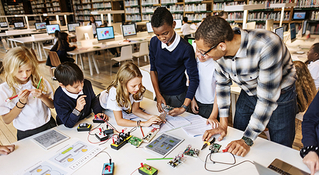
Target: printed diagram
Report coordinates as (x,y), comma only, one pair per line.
(45,168)
(72,154)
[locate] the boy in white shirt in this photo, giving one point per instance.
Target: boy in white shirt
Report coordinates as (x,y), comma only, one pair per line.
(313,66)
(204,102)
(186,29)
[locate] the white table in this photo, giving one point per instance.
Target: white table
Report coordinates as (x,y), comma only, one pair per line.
(128,158)
(102,46)
(38,41)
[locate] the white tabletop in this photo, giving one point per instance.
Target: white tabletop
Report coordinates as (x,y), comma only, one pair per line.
(128,158)
(30,39)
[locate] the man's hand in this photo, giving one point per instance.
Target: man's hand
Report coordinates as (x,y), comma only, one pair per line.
(160,100)
(194,106)
(238,147)
(80,102)
(222,130)
(312,162)
(212,121)
(176,111)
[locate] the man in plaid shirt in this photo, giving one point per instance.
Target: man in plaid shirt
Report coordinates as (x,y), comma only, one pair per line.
(260,63)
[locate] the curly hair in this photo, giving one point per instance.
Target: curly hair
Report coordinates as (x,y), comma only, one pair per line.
(214,30)
(126,72)
(161,15)
(305,86)
(16,58)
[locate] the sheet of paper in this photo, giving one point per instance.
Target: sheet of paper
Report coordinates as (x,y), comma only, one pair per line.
(198,126)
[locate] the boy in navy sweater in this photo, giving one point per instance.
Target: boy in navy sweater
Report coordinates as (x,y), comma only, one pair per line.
(75,98)
(170,56)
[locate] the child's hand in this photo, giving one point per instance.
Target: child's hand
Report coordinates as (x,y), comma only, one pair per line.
(194,106)
(80,102)
(7,149)
(23,95)
(103,116)
(213,121)
(36,93)
(153,120)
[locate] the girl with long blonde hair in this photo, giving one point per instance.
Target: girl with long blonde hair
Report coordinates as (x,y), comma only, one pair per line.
(305,86)
(126,93)
(25,98)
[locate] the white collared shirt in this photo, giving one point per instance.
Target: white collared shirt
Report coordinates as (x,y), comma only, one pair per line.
(108,100)
(186,29)
(74,96)
(314,71)
(173,45)
(205,92)
(34,114)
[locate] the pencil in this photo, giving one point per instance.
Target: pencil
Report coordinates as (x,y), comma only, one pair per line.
(142,131)
(11,98)
(160,159)
(39,83)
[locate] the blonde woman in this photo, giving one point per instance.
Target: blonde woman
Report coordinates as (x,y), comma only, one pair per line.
(305,86)
(126,93)
(25,98)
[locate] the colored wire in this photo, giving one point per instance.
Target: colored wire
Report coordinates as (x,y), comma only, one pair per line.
(134,171)
(88,138)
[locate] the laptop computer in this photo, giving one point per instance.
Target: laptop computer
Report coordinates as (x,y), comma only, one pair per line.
(284,168)
(262,170)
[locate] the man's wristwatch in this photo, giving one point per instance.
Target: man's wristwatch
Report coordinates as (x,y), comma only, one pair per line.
(248,141)
(185,107)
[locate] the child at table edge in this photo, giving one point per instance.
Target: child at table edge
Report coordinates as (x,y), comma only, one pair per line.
(75,98)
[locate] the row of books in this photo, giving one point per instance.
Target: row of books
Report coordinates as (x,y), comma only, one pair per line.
(132,10)
(148,9)
(133,17)
(149,2)
(102,5)
(314,29)
(131,2)
(307,3)
(314,15)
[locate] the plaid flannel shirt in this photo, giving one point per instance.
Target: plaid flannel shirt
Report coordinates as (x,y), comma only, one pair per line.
(261,67)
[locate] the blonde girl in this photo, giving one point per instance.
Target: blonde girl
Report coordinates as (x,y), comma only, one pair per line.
(29,110)
(126,93)
(305,86)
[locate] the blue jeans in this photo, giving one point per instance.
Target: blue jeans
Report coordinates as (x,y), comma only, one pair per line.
(282,121)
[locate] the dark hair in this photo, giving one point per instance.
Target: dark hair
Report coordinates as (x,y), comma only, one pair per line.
(161,15)
(214,30)
(56,33)
(62,42)
(185,19)
(68,73)
(315,48)
(221,13)
(93,19)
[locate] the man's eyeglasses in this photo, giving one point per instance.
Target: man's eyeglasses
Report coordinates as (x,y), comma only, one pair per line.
(205,53)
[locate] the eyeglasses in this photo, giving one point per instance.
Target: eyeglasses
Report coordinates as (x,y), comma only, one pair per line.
(205,53)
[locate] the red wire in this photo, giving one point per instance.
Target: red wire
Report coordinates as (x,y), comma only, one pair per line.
(95,142)
(134,171)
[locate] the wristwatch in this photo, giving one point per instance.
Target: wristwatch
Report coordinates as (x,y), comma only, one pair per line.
(76,112)
(185,107)
(248,141)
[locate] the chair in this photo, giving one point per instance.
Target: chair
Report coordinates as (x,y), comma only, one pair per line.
(142,52)
(126,54)
(54,58)
(5,45)
(33,53)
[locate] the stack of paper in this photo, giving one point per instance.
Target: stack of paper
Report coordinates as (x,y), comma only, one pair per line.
(198,126)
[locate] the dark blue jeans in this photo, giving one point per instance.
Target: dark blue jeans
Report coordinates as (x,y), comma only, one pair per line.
(282,121)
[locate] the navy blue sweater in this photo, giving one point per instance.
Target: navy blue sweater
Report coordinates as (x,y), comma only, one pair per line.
(310,124)
(170,68)
(64,105)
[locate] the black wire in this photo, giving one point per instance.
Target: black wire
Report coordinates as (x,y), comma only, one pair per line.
(210,157)
(133,129)
(104,152)
(224,163)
